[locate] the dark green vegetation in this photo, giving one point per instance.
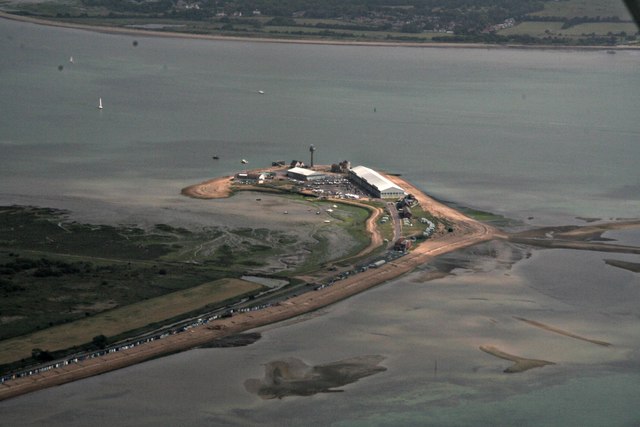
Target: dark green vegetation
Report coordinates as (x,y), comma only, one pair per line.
(239,340)
(548,22)
(68,286)
(55,271)
(293,377)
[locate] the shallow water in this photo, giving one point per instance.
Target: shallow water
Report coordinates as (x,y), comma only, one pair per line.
(625,237)
(429,334)
(543,134)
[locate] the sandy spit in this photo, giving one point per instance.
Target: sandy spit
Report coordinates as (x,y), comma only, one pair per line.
(216,188)
(561,331)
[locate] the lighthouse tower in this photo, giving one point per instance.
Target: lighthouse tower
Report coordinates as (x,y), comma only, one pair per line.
(312,149)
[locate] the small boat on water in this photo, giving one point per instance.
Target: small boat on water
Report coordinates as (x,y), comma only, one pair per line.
(216,157)
(100,103)
(244,162)
(71,59)
(261,92)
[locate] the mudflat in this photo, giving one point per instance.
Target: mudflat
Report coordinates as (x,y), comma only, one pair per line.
(467,231)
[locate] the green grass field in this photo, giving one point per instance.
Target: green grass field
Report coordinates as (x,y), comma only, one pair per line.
(545,29)
(589,8)
(600,28)
(131,317)
(346,216)
(88,280)
(535,29)
(55,271)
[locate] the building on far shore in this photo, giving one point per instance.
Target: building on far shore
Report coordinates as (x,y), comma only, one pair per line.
(374,183)
(302,174)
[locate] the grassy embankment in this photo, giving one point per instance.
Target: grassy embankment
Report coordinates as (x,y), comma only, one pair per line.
(133,317)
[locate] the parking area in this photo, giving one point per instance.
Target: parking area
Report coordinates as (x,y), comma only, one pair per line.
(333,186)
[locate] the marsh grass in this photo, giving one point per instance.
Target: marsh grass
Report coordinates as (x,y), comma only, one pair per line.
(132,317)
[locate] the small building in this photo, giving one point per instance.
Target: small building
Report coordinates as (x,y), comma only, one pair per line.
(405,212)
(260,177)
(251,176)
(302,174)
(407,201)
(402,244)
(342,167)
(345,165)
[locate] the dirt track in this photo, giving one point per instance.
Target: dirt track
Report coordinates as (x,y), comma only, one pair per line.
(466,232)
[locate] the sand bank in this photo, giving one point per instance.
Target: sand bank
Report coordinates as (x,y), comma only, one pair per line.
(521,364)
(561,332)
(588,238)
(633,267)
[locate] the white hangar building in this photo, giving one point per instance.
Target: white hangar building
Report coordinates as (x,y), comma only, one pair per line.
(302,174)
(375,183)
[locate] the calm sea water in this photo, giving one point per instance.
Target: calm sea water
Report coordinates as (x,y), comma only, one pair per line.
(543,134)
(525,133)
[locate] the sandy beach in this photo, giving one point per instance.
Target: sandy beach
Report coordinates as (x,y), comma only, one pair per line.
(467,232)
(216,188)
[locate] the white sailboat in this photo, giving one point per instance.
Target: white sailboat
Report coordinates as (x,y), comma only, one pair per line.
(71,59)
(100,103)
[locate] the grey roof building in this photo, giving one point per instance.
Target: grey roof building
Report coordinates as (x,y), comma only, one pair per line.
(303,174)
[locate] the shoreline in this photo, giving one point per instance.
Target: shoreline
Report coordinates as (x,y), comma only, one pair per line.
(322,42)
(469,232)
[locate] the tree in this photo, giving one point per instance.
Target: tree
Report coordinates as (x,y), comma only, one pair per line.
(100,341)
(41,355)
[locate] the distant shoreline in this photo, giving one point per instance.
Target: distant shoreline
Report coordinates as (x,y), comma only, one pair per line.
(169,34)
